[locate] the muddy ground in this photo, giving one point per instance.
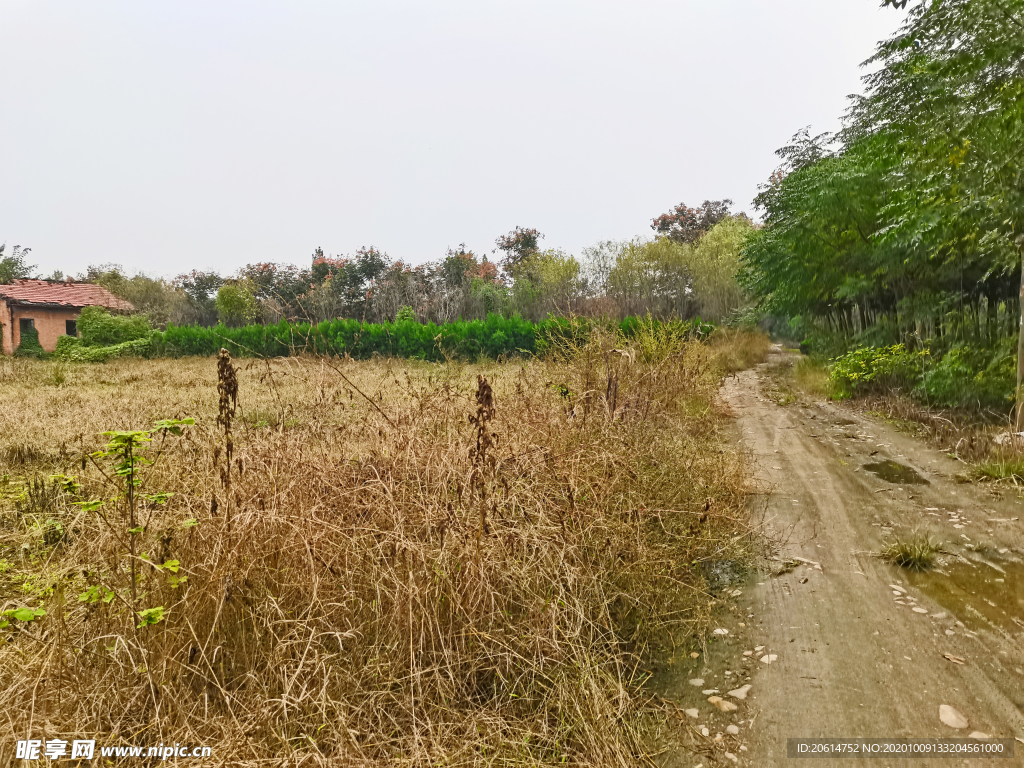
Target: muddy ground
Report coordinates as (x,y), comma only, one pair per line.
(831,640)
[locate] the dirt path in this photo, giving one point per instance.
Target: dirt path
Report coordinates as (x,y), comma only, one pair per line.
(856,657)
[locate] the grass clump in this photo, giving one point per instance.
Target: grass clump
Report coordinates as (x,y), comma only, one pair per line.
(437,564)
(1001,466)
(916,553)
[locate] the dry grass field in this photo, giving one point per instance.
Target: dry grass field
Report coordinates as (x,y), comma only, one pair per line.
(381,562)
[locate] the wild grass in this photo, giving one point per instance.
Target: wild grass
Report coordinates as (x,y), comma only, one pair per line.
(738,349)
(369,577)
(810,375)
(1001,465)
(916,552)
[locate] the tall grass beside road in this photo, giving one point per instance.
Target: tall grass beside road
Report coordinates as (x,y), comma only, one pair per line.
(393,562)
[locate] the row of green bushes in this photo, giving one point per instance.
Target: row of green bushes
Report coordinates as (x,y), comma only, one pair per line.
(104,336)
(959,376)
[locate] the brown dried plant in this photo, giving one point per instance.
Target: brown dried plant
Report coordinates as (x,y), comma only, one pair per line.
(399,586)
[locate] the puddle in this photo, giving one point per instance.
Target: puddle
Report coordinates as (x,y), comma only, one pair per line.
(894,472)
(969,591)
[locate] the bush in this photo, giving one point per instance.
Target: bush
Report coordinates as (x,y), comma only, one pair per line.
(71,349)
(99,328)
(876,369)
(972,377)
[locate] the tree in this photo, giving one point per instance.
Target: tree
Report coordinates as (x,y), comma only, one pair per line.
(950,90)
(237,304)
(518,245)
(687,225)
(201,289)
(714,265)
(13,266)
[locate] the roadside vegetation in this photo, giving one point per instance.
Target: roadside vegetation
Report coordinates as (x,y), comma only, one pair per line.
(319,559)
(892,250)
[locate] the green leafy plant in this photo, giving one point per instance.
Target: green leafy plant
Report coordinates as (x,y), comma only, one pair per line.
(125,453)
(99,328)
(876,369)
(22,614)
(29,345)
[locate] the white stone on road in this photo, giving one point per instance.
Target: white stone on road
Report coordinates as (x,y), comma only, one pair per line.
(735,730)
(692,713)
(768,658)
(697,682)
(740,693)
(951,717)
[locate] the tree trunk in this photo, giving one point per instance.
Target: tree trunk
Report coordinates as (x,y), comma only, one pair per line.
(1020,349)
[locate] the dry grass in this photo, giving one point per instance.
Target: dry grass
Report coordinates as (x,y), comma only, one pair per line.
(380,580)
(738,349)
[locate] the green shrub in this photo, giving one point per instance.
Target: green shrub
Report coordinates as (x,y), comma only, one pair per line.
(405,315)
(495,336)
(876,369)
(74,351)
(972,377)
(99,328)
(29,345)
(65,346)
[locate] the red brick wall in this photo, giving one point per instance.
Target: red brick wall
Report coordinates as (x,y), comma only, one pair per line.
(50,325)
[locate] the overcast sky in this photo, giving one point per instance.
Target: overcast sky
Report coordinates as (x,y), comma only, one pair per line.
(167,136)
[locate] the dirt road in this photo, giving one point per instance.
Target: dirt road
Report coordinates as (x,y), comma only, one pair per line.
(841,644)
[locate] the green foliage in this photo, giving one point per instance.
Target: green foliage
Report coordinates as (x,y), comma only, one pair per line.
(22,614)
(99,328)
(405,315)
(873,369)
(73,350)
(13,266)
(29,345)
(970,377)
(237,304)
(465,339)
(150,616)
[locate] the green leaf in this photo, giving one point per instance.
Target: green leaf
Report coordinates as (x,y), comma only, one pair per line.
(173,425)
(27,614)
(90,506)
(189,523)
(135,531)
(172,565)
(149,616)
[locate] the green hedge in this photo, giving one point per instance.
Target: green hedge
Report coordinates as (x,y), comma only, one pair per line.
(74,350)
(495,336)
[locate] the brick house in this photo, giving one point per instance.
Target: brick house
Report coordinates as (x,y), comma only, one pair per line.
(51,308)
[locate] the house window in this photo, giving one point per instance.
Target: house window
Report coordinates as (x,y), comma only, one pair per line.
(71,327)
(26,324)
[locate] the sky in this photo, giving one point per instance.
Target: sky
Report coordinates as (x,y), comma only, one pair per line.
(192,134)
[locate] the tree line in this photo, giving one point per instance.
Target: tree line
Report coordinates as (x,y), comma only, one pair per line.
(907,226)
(687,269)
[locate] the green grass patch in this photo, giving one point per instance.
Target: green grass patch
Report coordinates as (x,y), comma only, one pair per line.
(916,553)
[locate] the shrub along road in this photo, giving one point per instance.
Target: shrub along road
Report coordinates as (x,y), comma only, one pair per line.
(863,648)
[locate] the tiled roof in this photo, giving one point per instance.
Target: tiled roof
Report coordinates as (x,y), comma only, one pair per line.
(43,292)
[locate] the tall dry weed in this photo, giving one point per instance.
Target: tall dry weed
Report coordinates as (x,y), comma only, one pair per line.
(467,572)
